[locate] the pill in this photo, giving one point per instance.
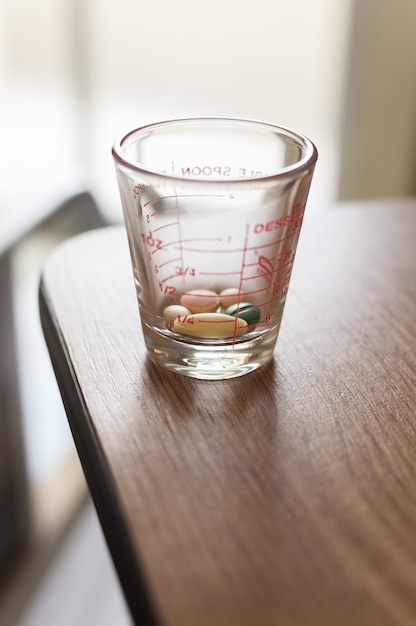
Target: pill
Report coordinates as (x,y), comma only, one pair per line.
(200,301)
(171,312)
(210,325)
(246,311)
(229,296)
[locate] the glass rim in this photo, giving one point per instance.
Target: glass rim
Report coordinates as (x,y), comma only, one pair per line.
(307,161)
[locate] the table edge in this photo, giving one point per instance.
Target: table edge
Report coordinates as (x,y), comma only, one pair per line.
(95,469)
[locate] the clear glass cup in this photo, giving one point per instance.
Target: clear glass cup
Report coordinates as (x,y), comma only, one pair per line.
(213,209)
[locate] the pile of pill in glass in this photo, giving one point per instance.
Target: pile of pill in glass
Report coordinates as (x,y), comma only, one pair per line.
(207,314)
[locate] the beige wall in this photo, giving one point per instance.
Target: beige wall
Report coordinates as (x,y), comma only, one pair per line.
(379,141)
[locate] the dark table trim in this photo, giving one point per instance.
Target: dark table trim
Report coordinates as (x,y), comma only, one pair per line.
(96,471)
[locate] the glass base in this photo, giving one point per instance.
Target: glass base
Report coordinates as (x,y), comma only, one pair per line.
(210,362)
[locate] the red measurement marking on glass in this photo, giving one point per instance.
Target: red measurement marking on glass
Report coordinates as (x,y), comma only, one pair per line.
(185,195)
(151,241)
(284,255)
(220,273)
(272,300)
(184,271)
(163,246)
(202,240)
(169,290)
(186,319)
(276,285)
(294,217)
(212,321)
(137,189)
(160,199)
(155,230)
(165,209)
(240,286)
(179,246)
(255,292)
(176,243)
(156,212)
(279,267)
(265,320)
(244,250)
(164,280)
(272,243)
(168,262)
(176,198)
(267,272)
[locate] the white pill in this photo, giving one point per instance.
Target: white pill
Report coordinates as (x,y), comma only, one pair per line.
(210,325)
(171,312)
(230,296)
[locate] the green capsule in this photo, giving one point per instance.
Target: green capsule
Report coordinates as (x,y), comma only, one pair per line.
(246,311)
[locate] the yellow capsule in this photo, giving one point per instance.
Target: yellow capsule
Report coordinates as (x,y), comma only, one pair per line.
(210,325)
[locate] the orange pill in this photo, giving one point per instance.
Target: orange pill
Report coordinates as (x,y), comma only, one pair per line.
(200,301)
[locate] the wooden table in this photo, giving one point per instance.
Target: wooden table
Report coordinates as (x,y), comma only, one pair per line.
(286,497)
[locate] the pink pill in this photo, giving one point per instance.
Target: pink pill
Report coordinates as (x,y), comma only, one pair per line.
(200,301)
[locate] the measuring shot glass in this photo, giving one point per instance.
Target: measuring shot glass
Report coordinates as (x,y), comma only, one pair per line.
(213,209)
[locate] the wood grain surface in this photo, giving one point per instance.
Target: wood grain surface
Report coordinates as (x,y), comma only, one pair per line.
(286,497)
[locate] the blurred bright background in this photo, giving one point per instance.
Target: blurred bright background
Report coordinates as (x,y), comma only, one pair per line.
(76,74)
